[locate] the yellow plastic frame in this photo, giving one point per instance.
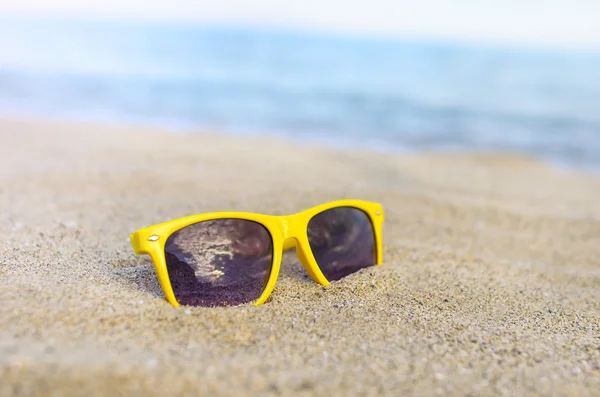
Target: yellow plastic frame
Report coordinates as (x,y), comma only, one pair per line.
(287,232)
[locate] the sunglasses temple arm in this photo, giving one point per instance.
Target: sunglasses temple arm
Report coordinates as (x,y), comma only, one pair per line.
(137,244)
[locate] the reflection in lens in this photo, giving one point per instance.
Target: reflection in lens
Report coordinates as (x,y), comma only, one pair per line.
(220,262)
(342,241)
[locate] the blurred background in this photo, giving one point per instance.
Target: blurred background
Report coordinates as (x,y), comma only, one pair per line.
(394,75)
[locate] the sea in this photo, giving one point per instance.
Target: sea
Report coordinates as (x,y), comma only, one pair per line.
(346,90)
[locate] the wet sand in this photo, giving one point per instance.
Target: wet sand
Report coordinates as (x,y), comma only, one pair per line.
(490,283)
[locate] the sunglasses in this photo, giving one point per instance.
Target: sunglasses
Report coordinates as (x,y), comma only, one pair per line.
(231,258)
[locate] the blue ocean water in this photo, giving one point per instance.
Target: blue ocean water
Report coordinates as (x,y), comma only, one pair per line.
(347,90)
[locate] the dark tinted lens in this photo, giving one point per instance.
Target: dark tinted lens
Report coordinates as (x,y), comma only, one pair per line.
(342,241)
(220,262)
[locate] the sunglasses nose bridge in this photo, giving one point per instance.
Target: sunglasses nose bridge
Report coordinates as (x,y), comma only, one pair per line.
(293,230)
(292,227)
(295,236)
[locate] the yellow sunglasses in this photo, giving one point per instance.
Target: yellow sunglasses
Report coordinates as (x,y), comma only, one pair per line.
(231,258)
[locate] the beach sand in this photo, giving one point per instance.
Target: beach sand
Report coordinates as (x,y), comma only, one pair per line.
(490,283)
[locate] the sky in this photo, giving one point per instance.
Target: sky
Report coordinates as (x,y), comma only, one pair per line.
(547,22)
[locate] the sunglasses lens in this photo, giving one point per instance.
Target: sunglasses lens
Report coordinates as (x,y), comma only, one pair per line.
(342,241)
(220,262)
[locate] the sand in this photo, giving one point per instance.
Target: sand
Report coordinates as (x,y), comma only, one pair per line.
(490,283)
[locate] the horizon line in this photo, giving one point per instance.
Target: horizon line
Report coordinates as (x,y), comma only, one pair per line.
(447,38)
